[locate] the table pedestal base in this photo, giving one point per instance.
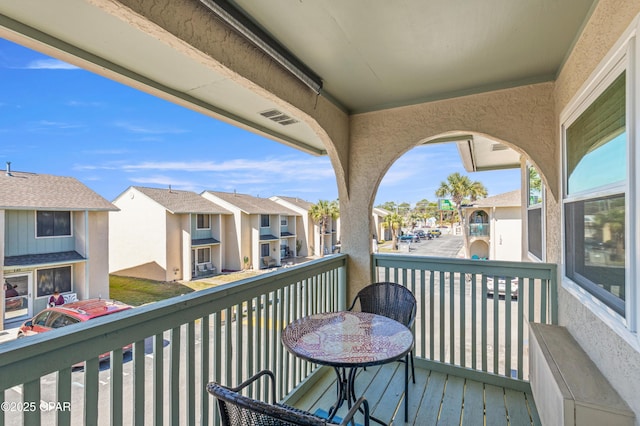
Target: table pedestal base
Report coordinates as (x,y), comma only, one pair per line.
(346,391)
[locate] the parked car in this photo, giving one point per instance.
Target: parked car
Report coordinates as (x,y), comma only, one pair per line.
(435,232)
(406,238)
(502,286)
(412,237)
(72,313)
(421,234)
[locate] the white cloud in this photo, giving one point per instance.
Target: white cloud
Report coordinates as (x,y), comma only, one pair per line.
(149,129)
(165,181)
(53,126)
(105,152)
(50,64)
(84,104)
(302,169)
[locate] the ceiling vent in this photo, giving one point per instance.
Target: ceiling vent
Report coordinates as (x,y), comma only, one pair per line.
(498,147)
(278,116)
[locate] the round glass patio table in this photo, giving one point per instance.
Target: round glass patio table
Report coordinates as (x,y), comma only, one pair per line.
(347,341)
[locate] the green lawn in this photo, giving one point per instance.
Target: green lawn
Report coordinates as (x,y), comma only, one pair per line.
(137,291)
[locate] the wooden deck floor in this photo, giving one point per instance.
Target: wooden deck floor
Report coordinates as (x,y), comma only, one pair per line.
(435,399)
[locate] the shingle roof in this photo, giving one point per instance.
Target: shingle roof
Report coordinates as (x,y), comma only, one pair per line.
(25,191)
(43,259)
(179,202)
(268,237)
(254,205)
(299,202)
(204,242)
(507,199)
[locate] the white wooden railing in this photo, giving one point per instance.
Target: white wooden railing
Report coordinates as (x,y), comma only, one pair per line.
(225,333)
(229,332)
(464,328)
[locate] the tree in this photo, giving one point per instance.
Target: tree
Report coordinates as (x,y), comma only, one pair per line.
(404,209)
(322,213)
(459,187)
(394,222)
(389,206)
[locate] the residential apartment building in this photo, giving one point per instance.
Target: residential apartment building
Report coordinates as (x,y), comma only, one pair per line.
(261,232)
(54,235)
(381,232)
(307,236)
(166,235)
(494,227)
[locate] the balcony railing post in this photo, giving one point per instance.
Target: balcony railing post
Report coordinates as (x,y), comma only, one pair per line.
(476,309)
(342,288)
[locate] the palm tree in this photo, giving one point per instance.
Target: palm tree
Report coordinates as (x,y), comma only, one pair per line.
(393,222)
(322,213)
(459,187)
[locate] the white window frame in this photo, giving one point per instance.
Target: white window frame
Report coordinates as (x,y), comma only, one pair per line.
(198,251)
(625,55)
(48,268)
(203,215)
(54,236)
(284,221)
(543,222)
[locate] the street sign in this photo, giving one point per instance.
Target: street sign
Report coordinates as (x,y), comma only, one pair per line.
(444,204)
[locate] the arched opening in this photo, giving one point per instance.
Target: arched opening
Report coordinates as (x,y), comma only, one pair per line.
(479,250)
(410,192)
(479,224)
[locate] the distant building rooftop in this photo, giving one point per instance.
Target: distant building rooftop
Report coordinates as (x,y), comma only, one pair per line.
(253,205)
(180,202)
(27,191)
(507,199)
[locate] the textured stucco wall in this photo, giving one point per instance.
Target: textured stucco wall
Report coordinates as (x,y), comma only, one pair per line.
(506,225)
(520,117)
(98,268)
(618,361)
(137,237)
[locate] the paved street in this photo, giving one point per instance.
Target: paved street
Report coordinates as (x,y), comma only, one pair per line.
(444,246)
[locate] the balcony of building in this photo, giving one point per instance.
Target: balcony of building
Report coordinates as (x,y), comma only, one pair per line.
(470,348)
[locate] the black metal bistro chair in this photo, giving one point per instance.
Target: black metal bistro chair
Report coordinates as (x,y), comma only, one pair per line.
(239,410)
(396,302)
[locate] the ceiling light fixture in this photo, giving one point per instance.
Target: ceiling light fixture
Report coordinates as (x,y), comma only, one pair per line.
(235,18)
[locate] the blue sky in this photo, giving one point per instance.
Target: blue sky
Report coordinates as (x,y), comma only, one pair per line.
(61,120)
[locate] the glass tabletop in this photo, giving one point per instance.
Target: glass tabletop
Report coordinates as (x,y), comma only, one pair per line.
(347,339)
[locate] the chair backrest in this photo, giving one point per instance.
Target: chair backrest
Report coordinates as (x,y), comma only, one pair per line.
(239,410)
(388,299)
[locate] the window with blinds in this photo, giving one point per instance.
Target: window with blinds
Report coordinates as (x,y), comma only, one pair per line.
(596,142)
(594,205)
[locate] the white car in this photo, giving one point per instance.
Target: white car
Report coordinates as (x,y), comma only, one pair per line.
(502,286)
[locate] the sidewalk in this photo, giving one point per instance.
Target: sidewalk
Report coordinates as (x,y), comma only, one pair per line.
(8,334)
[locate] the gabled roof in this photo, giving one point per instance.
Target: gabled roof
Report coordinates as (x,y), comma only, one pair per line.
(253,205)
(380,211)
(298,202)
(507,199)
(27,191)
(179,202)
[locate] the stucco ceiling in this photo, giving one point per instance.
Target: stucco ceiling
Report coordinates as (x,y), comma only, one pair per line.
(370,55)
(377,54)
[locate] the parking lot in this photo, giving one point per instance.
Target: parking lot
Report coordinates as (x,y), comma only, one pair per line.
(446,245)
